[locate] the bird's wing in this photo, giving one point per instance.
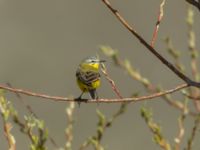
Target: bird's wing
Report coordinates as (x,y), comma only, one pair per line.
(87,77)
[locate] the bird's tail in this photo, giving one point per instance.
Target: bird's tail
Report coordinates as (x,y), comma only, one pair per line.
(93,94)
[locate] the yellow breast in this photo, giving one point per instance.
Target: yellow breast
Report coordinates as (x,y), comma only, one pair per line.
(84,68)
(86,88)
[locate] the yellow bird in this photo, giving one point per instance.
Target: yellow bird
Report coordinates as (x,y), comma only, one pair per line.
(88,76)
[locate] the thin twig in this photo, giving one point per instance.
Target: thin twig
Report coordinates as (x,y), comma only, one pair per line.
(28,107)
(174,53)
(5,113)
(30,110)
(192,97)
(155,128)
(10,138)
(23,127)
(181,132)
(193,54)
(193,133)
(114,87)
(149,47)
(69,129)
(160,16)
(66,99)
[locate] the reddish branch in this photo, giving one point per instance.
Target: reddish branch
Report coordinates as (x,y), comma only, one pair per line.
(112,83)
(59,98)
(160,16)
(149,47)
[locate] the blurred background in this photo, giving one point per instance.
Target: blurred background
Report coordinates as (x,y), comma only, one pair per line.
(42,43)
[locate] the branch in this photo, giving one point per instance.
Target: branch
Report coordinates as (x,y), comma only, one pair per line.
(195,3)
(193,133)
(192,97)
(193,54)
(136,75)
(149,47)
(112,83)
(5,112)
(66,99)
(181,132)
(155,128)
(174,53)
(160,16)
(10,138)
(70,123)
(30,110)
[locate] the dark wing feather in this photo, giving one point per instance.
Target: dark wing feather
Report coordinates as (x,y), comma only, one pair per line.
(87,77)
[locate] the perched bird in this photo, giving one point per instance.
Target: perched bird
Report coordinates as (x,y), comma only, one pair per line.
(88,76)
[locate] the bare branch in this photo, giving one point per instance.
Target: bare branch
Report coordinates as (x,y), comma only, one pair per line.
(160,16)
(66,99)
(181,132)
(136,75)
(149,47)
(114,87)
(193,133)
(30,110)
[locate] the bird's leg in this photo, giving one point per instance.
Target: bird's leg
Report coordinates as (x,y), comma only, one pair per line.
(79,99)
(97,97)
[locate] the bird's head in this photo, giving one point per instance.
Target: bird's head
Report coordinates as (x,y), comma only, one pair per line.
(91,63)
